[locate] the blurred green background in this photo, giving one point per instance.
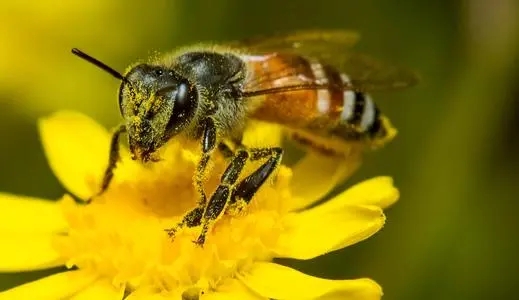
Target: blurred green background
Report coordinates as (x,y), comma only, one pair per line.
(454,232)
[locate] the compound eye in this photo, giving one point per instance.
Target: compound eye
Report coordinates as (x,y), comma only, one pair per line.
(182,97)
(184,105)
(185,100)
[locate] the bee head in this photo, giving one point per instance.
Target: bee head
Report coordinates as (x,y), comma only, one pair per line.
(157,104)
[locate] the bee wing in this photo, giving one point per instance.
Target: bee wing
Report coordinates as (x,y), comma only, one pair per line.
(331,47)
(369,74)
(311,43)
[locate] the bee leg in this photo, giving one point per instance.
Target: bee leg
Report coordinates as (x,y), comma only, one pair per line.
(113,158)
(194,217)
(247,187)
(208,146)
(228,191)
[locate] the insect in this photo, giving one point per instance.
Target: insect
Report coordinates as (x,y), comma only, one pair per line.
(309,82)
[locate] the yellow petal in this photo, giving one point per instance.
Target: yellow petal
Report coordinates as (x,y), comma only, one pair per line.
(280,282)
(26,252)
(57,286)
(155,296)
(314,232)
(262,134)
(233,289)
(77,150)
(316,175)
(100,290)
(228,290)
(152,294)
(378,191)
(355,294)
(19,214)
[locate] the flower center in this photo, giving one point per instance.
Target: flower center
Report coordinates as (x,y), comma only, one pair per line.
(120,235)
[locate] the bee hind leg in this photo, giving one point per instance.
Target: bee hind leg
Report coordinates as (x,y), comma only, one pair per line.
(202,214)
(229,191)
(228,150)
(246,188)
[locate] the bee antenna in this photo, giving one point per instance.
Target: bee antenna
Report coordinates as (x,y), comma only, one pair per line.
(98,63)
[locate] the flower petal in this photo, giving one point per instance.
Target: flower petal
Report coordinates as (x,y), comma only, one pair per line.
(315,232)
(20,214)
(138,295)
(27,252)
(262,134)
(311,183)
(57,286)
(152,294)
(362,292)
(279,282)
(100,290)
(233,289)
(77,150)
(378,191)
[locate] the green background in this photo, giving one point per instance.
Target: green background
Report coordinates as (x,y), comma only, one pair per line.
(454,232)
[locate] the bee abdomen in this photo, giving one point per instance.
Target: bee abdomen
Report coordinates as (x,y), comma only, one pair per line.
(361,119)
(356,114)
(376,128)
(359,112)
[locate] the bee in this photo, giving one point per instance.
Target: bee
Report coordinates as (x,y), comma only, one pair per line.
(308,82)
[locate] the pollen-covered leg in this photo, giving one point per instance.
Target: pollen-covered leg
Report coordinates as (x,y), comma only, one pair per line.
(194,217)
(246,188)
(218,200)
(220,197)
(208,146)
(113,158)
(228,191)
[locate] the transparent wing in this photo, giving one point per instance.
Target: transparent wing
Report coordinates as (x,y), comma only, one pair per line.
(332,47)
(369,74)
(311,43)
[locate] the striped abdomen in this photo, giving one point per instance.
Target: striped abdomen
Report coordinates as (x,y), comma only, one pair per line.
(336,111)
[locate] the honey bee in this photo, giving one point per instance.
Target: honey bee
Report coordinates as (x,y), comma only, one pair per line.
(308,82)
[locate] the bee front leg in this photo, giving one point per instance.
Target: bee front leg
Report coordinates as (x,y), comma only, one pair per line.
(113,158)
(193,218)
(208,146)
(229,192)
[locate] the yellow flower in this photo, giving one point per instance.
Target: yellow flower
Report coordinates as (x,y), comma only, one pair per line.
(116,245)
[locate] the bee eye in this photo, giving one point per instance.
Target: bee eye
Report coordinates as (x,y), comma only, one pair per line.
(181,98)
(184,99)
(185,103)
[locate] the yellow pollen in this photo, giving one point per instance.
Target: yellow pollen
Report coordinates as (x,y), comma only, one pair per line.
(120,235)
